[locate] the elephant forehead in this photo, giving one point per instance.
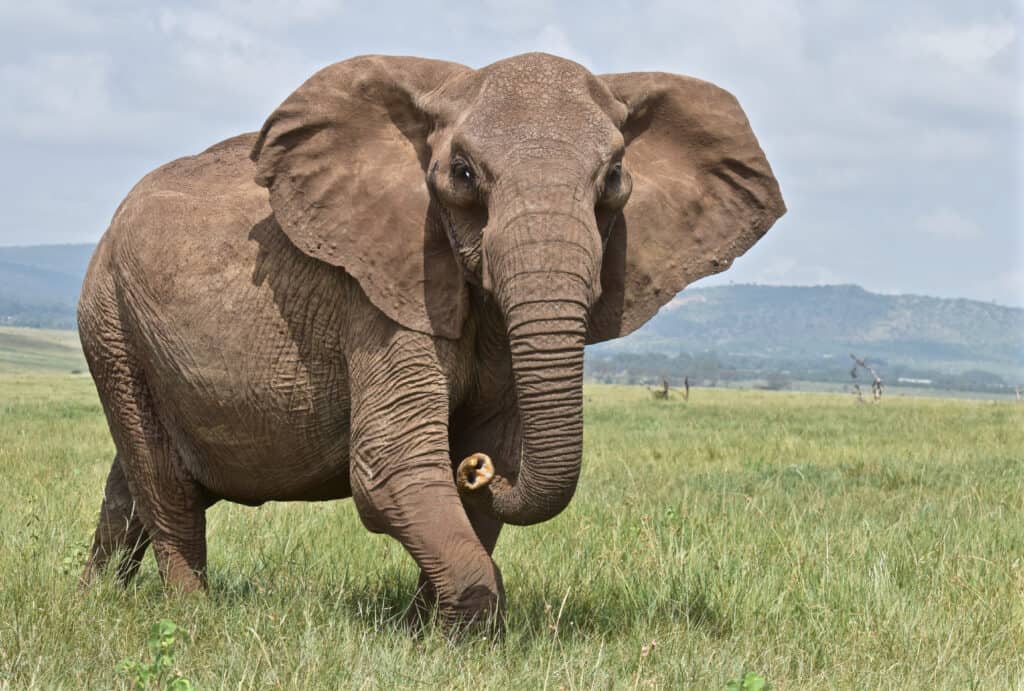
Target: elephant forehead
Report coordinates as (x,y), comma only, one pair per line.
(538,74)
(537,106)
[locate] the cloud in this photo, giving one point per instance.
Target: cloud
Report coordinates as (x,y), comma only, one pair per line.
(58,96)
(947,224)
(969,48)
(49,15)
(886,124)
(279,13)
(226,64)
(209,28)
(553,39)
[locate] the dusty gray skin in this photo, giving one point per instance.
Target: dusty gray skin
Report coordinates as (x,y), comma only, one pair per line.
(400,271)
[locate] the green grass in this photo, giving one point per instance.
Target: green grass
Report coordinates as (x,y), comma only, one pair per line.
(39,350)
(814,541)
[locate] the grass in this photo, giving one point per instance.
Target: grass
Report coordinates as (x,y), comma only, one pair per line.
(813,541)
(39,350)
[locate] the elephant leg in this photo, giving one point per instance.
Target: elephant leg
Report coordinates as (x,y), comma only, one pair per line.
(120,534)
(402,476)
(473,430)
(487,529)
(169,505)
(178,524)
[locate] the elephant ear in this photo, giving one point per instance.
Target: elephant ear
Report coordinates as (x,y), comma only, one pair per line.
(703,193)
(344,159)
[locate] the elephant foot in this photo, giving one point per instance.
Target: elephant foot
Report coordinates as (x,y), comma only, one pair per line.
(474,473)
(477,611)
(480,613)
(183,570)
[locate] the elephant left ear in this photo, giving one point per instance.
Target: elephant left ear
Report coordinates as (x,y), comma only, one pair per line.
(344,159)
(703,194)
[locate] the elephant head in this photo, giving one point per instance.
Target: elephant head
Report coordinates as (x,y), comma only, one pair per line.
(580,203)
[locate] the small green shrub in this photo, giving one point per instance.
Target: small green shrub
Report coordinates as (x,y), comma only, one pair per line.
(751,681)
(160,672)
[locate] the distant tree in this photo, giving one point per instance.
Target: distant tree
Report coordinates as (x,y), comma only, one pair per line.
(776,381)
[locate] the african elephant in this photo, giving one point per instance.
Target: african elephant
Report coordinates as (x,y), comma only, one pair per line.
(400,271)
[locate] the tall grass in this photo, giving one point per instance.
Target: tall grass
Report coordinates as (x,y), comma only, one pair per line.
(817,542)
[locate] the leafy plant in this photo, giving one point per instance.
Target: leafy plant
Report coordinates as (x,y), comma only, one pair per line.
(73,560)
(751,681)
(159,672)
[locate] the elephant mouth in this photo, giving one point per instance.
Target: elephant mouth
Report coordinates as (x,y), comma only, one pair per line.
(468,254)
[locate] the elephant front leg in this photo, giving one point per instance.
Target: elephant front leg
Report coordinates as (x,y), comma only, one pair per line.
(402,483)
(425,602)
(476,430)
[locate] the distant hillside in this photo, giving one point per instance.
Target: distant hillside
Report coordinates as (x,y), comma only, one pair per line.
(787,328)
(39,285)
(745,330)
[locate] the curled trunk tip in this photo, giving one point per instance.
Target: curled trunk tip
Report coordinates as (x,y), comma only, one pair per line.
(474,473)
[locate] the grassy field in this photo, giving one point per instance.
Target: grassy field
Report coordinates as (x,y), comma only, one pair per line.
(813,541)
(39,350)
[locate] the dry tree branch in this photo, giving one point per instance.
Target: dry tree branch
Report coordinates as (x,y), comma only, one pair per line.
(876,385)
(662,393)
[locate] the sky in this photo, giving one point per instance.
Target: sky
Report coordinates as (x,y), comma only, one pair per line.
(894,128)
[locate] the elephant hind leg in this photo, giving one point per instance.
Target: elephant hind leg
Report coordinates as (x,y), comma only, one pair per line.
(148,491)
(166,505)
(171,506)
(120,534)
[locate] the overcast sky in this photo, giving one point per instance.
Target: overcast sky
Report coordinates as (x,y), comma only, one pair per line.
(893,127)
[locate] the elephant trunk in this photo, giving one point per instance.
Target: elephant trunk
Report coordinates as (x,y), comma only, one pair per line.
(544,278)
(547,364)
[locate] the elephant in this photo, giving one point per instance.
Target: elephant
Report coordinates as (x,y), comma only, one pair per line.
(385,294)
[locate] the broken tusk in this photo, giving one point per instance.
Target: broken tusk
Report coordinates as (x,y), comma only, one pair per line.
(474,472)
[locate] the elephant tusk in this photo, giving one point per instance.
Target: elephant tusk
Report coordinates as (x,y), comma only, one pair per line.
(475,472)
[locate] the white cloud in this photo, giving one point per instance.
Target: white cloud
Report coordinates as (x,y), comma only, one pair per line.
(278,13)
(970,47)
(870,115)
(49,15)
(946,223)
(553,39)
(514,17)
(56,96)
(229,66)
(205,27)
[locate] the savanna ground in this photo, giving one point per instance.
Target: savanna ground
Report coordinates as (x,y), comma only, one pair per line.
(814,541)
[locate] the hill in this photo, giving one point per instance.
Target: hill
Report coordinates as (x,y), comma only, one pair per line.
(808,333)
(39,284)
(739,332)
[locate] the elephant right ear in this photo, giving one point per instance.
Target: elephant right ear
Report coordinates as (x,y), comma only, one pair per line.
(344,158)
(703,194)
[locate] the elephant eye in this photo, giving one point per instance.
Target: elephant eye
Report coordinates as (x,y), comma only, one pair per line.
(462,174)
(616,188)
(613,177)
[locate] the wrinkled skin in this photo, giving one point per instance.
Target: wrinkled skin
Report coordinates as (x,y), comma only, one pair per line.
(400,270)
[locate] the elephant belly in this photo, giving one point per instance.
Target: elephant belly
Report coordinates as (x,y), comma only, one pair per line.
(257,405)
(263,439)
(237,335)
